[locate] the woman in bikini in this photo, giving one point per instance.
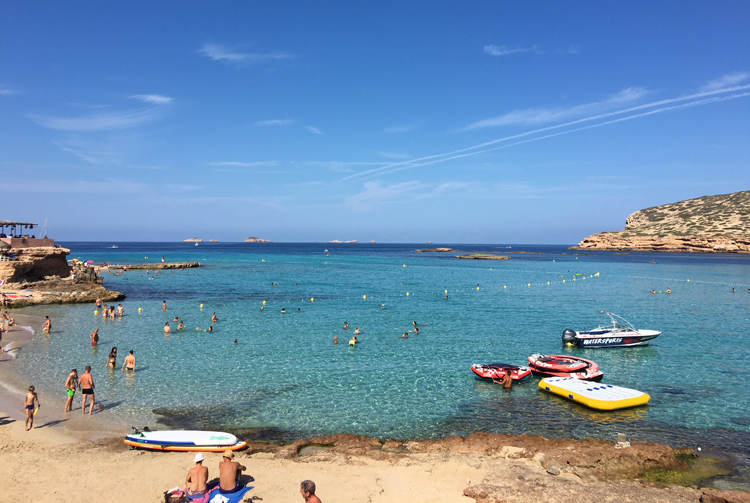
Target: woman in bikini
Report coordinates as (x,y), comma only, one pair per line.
(112,359)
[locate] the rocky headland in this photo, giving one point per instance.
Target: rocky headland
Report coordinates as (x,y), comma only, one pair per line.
(709,224)
(482,256)
(256,240)
(192,240)
(42,275)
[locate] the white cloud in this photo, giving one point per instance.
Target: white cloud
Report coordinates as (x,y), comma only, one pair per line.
(405,128)
(375,194)
(218,52)
(394,155)
(342,166)
(502,50)
(4,91)
(728,80)
(156,99)
(245,164)
(98,122)
(273,122)
(446,187)
(313,130)
(533,116)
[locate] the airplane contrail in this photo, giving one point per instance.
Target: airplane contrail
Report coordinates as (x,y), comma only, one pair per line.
(397,166)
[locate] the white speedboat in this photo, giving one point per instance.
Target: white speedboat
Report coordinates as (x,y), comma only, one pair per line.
(620,333)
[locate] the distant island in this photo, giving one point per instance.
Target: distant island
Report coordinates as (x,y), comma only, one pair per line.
(483,256)
(373,241)
(193,240)
(213,240)
(708,224)
(337,241)
(256,240)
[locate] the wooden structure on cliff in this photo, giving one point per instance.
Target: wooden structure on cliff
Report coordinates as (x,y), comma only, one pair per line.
(18,239)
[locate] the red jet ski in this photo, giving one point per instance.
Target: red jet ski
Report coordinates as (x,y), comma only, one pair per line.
(496,371)
(564,366)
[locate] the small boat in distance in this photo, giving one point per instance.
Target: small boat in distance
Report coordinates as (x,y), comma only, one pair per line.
(496,371)
(564,366)
(620,333)
(115,246)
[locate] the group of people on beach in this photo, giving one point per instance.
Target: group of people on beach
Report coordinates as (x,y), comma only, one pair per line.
(230,479)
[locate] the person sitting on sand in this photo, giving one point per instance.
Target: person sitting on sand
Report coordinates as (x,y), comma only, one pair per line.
(94,337)
(112,359)
(47,325)
(307,490)
(197,479)
(180,326)
(71,383)
(167,329)
(129,362)
(29,404)
(229,473)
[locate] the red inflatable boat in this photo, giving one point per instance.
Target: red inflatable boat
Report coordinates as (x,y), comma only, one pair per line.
(564,366)
(496,371)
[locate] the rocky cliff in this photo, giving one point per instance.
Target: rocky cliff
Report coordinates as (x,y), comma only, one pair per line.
(256,240)
(35,264)
(719,224)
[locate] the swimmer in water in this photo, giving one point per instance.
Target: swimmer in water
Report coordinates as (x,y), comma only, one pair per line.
(262,308)
(180,326)
(214,319)
(94,337)
(669,290)
(346,325)
(416,330)
(446,297)
(405,336)
(176,319)
(283,310)
(210,329)
(357,331)
(167,329)
(235,341)
(299,310)
(382,306)
(335,339)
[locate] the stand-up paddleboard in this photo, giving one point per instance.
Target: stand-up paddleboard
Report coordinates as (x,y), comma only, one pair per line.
(184,440)
(596,396)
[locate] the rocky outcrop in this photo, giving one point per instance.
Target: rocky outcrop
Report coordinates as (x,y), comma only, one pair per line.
(439,250)
(192,240)
(482,256)
(256,240)
(213,240)
(35,264)
(62,291)
(163,265)
(709,224)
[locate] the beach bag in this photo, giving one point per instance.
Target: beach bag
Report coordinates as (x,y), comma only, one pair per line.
(175,496)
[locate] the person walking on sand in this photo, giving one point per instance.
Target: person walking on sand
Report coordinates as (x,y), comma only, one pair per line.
(94,337)
(229,473)
(86,385)
(129,362)
(197,479)
(47,325)
(307,490)
(29,404)
(167,329)
(71,383)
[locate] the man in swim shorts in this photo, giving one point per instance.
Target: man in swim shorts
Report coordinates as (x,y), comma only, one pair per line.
(71,383)
(129,362)
(307,490)
(229,473)
(197,479)
(86,385)
(94,337)
(29,404)
(507,381)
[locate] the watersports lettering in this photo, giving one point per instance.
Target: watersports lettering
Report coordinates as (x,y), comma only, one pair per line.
(612,340)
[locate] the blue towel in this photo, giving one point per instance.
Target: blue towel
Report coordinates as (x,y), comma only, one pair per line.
(216,496)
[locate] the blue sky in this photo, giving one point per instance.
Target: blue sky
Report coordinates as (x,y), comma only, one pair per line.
(504,122)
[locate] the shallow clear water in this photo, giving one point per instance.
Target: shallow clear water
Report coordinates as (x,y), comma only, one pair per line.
(285,372)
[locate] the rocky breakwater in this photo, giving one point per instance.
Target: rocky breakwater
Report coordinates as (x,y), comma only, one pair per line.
(709,224)
(482,256)
(162,265)
(41,275)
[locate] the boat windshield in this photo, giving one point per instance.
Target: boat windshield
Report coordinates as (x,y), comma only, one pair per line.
(617,323)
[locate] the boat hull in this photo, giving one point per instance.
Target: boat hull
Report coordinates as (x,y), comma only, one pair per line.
(564,366)
(496,371)
(615,340)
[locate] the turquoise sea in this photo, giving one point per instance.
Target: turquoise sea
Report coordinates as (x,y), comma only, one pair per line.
(285,377)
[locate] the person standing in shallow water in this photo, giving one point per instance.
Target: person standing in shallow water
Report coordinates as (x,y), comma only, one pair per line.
(86,385)
(71,383)
(94,337)
(129,362)
(31,396)
(47,325)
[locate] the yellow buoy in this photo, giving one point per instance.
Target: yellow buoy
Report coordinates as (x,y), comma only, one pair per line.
(96,312)
(201,306)
(312,299)
(263,260)
(446,291)
(563,281)
(264,303)
(505,286)
(407,294)
(364,296)
(404,265)
(553,260)
(140,309)
(688,281)
(529,284)
(477,288)
(548,282)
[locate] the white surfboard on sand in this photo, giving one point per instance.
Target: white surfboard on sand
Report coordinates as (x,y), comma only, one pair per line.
(184,437)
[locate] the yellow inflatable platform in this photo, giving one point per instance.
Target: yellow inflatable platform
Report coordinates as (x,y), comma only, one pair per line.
(595,395)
